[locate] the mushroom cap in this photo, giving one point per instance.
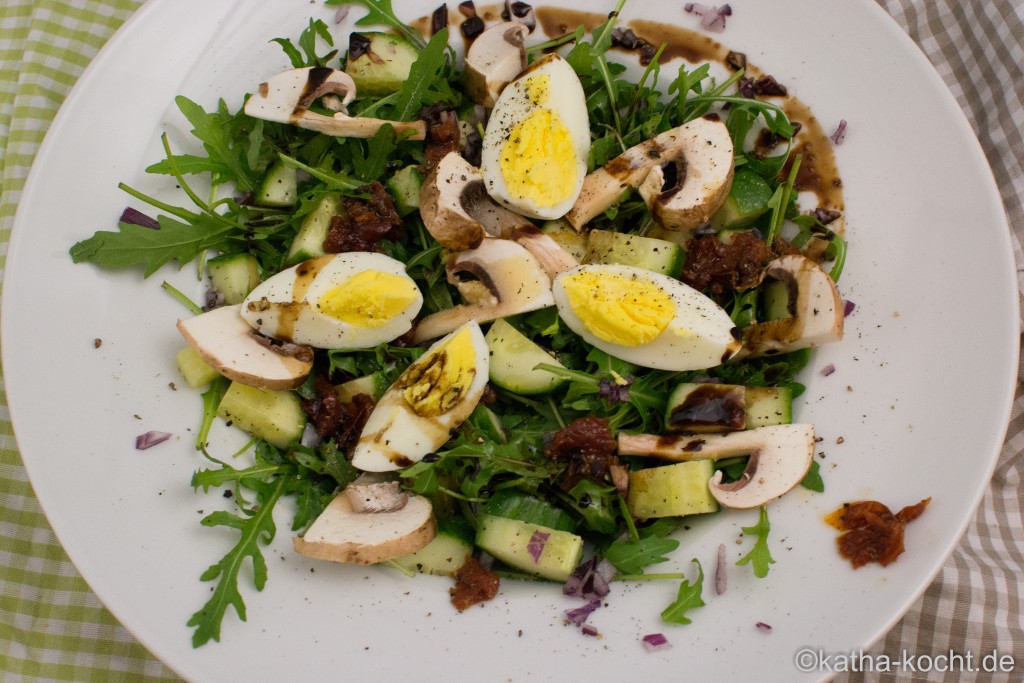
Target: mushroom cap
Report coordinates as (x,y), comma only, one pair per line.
(496,57)
(504,278)
(699,175)
(604,186)
(818,312)
(780,456)
(226,342)
(443,197)
(286,98)
(341,534)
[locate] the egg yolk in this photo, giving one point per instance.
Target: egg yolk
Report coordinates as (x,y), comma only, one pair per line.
(538,160)
(617,309)
(538,89)
(437,382)
(369,298)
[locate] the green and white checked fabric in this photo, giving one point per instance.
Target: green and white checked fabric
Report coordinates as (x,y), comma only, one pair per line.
(52,627)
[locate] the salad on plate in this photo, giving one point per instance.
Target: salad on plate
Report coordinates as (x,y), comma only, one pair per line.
(513,311)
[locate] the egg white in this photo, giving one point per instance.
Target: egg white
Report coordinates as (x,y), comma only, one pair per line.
(699,336)
(285,306)
(394,436)
(565,98)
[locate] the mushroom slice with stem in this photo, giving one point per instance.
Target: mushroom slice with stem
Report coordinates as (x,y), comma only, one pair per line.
(780,456)
(287,97)
(497,279)
(691,186)
(341,534)
(814,311)
(606,185)
(496,57)
(459,213)
(230,346)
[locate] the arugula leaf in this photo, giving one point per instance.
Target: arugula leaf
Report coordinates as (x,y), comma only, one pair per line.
(381,14)
(374,163)
(175,241)
(630,557)
(307,41)
(759,556)
(213,129)
(423,75)
(256,525)
(812,480)
(332,179)
(688,598)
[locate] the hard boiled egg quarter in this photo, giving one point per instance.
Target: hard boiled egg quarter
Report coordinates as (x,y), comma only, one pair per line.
(418,413)
(644,317)
(537,141)
(354,300)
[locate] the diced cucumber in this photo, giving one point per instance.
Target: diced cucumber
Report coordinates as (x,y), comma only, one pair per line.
(525,508)
(275,416)
(373,386)
(382,62)
(769,406)
(660,256)
(532,548)
(444,555)
(309,241)
(234,276)
(707,407)
(747,200)
(404,187)
(196,372)
(567,237)
(672,490)
(514,357)
(775,300)
(280,186)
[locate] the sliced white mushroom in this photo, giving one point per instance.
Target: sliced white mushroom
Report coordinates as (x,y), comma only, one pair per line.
(496,57)
(341,534)
(375,492)
(814,302)
(286,98)
(497,279)
(780,456)
(686,190)
(459,213)
(229,345)
(606,185)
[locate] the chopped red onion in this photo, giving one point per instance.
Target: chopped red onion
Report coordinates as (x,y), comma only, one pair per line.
(763,627)
(712,18)
(828,370)
(467,8)
(136,217)
(848,307)
(840,134)
(591,579)
(720,576)
(535,546)
(341,14)
(656,641)
(150,439)
(589,630)
(579,615)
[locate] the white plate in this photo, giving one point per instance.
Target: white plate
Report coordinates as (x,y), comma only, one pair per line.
(920,396)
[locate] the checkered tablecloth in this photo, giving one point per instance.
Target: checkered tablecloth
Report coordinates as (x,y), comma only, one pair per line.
(52,627)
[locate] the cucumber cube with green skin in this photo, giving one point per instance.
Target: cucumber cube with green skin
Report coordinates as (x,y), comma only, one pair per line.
(514,357)
(373,386)
(234,276)
(275,416)
(769,406)
(660,256)
(404,186)
(567,237)
(379,63)
(706,407)
(672,490)
(309,241)
(747,200)
(531,548)
(775,299)
(279,187)
(443,556)
(195,371)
